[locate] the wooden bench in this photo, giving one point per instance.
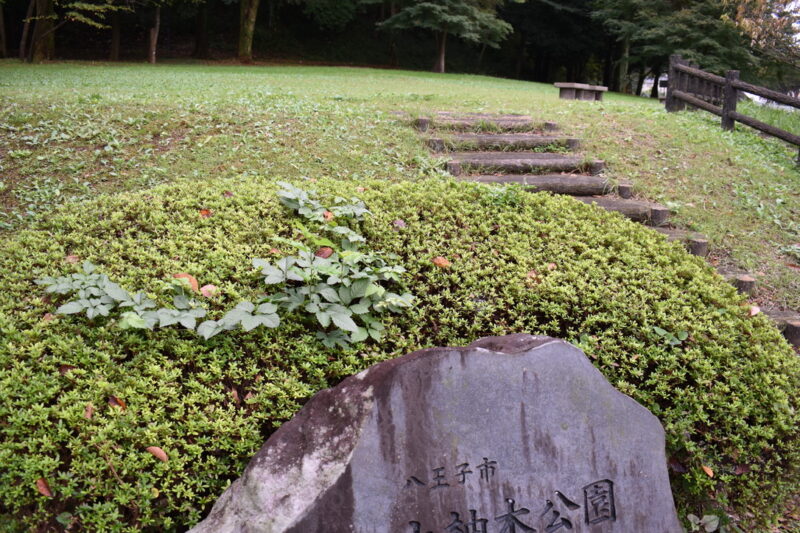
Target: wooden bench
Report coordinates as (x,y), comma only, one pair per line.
(580,91)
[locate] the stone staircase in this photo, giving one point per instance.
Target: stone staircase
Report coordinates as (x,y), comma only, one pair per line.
(506,149)
(503,149)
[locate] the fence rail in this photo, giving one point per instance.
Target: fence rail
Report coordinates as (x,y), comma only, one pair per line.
(687,84)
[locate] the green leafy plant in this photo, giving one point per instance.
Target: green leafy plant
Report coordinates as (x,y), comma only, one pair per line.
(670,338)
(709,523)
(344,291)
(792,251)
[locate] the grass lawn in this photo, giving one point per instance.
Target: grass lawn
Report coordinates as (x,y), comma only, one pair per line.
(200,148)
(72,130)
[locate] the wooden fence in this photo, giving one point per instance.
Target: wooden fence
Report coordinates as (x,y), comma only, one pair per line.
(688,84)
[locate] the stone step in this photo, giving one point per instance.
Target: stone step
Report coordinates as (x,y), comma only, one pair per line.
(500,141)
(519,163)
(788,322)
(570,184)
(696,243)
(646,212)
(482,122)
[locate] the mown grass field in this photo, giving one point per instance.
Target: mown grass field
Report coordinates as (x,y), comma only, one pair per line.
(194,153)
(70,131)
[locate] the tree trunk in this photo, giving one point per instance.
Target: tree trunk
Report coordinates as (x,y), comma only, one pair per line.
(656,76)
(274,15)
(441,44)
(113,54)
(247,26)
(480,58)
(3,49)
(23,42)
(152,44)
(608,67)
(640,80)
(522,52)
(201,50)
(623,65)
(43,45)
(394,59)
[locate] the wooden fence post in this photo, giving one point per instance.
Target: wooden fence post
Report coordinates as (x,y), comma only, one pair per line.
(729,98)
(673,84)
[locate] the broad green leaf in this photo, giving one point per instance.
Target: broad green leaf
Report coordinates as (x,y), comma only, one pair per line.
(208,329)
(329,294)
(250,323)
(188,322)
(345,295)
(344,322)
(116,292)
(270,320)
(245,306)
(359,288)
(359,309)
(70,308)
(360,335)
(132,320)
(267,308)
(323,318)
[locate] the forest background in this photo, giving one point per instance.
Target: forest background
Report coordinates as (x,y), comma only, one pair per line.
(619,43)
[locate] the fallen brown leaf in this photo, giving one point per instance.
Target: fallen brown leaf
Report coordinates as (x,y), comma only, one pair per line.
(209,291)
(72,259)
(324,252)
(113,401)
(441,262)
(227,194)
(43,487)
(205,213)
(274,251)
(328,216)
(741,469)
(192,280)
(158,453)
(88,411)
(48,317)
(708,471)
(754,310)
(63,369)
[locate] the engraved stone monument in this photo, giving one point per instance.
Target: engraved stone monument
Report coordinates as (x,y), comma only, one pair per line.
(513,434)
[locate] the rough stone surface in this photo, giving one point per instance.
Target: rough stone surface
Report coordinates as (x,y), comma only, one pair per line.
(509,431)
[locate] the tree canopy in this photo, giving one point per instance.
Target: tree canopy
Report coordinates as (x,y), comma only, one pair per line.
(614,42)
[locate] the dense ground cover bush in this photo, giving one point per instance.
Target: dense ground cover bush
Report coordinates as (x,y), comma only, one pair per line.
(82,401)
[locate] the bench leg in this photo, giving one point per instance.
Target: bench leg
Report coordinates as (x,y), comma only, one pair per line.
(566,94)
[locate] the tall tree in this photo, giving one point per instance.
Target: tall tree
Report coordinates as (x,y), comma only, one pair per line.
(773,27)
(153,32)
(43,45)
(26,28)
(3,49)
(201,45)
(50,15)
(474,21)
(247,24)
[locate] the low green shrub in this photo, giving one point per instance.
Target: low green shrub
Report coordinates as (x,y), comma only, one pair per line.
(82,400)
